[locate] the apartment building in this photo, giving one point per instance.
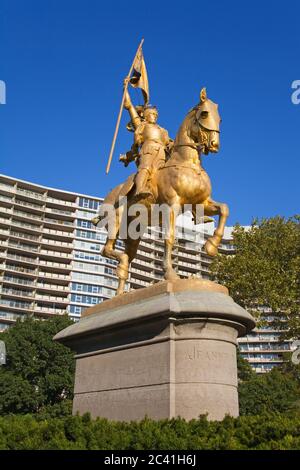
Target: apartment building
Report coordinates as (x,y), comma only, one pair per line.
(51,262)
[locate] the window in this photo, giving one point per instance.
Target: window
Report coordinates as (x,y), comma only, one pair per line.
(85,214)
(88,256)
(75,309)
(85,299)
(84,223)
(89,267)
(87,277)
(86,288)
(90,235)
(108,271)
(87,245)
(88,203)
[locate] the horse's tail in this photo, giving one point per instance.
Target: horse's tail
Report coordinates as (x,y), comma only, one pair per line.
(112,199)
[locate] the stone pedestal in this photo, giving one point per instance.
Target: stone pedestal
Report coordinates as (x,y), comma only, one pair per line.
(164,351)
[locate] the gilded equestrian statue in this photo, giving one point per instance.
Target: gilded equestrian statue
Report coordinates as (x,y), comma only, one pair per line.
(177,181)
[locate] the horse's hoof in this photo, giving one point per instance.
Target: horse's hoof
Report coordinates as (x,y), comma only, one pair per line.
(171,275)
(210,248)
(120,292)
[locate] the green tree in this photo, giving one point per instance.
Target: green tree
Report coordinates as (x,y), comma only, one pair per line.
(245,371)
(265,269)
(39,372)
(275,392)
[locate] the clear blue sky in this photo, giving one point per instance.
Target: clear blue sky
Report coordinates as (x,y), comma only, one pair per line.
(64,62)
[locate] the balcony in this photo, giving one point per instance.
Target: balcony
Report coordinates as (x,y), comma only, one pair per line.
(58,233)
(52,287)
(144,264)
(19,281)
(142,273)
(25,236)
(6,198)
(139,282)
(185,274)
(30,205)
(53,299)
(182,254)
(16,305)
(5,210)
(204,268)
(66,223)
(24,259)
(11,317)
(189,265)
(7,187)
(31,227)
(5,221)
(27,215)
(4,232)
(151,246)
(23,247)
(17,293)
(31,194)
(20,269)
(55,276)
(61,246)
(55,254)
(49,310)
(60,202)
(264,359)
(53,265)
(69,214)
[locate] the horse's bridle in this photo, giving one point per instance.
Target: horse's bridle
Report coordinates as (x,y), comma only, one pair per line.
(202,128)
(193,146)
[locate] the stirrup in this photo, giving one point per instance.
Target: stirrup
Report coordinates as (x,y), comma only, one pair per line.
(142,195)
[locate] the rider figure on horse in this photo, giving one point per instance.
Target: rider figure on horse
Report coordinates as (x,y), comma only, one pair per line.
(151,143)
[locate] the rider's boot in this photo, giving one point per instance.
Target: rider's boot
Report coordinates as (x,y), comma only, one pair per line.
(141,191)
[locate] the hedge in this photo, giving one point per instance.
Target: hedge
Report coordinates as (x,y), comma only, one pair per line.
(24,432)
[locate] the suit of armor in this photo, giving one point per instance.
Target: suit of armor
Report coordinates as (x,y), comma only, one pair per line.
(149,149)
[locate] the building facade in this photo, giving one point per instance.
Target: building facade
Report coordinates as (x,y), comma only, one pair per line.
(51,262)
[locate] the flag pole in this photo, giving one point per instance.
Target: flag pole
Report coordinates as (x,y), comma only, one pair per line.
(121,110)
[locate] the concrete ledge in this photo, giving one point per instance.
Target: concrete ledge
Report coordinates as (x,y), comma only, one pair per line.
(188,301)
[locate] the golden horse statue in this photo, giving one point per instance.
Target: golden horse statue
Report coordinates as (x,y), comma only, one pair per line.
(182,181)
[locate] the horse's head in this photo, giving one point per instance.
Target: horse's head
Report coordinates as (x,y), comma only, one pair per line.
(206,126)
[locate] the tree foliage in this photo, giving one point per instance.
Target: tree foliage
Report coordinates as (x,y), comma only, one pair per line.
(269,393)
(275,431)
(245,371)
(265,269)
(39,372)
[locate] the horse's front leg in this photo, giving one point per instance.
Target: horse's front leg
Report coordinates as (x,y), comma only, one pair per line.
(215,208)
(169,272)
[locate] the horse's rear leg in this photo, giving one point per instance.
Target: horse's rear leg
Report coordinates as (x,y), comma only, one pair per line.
(122,257)
(131,247)
(170,273)
(215,208)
